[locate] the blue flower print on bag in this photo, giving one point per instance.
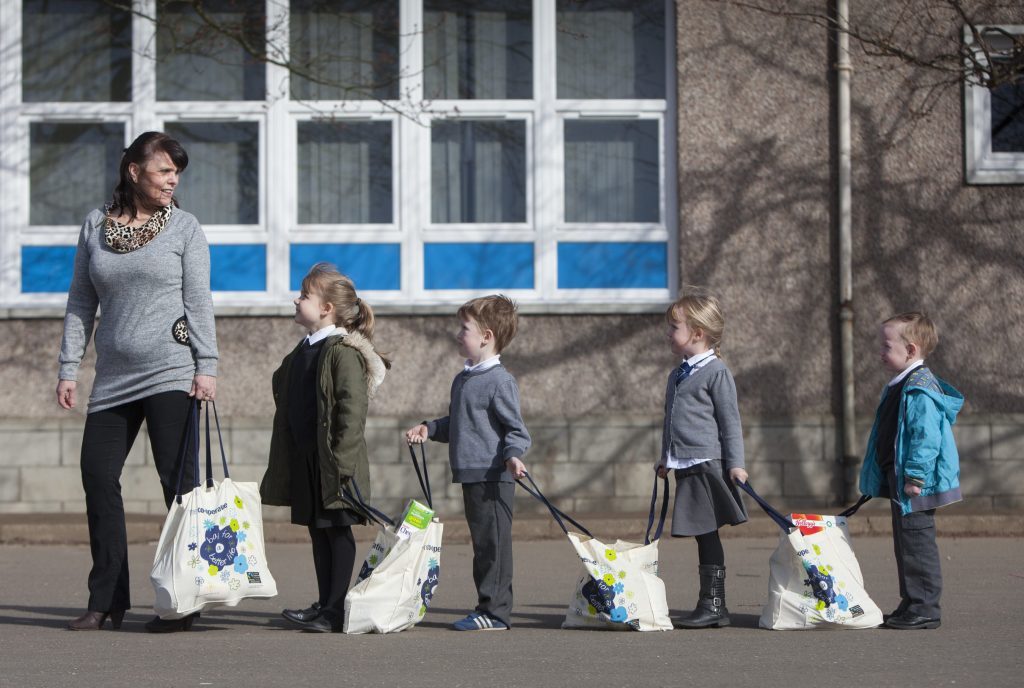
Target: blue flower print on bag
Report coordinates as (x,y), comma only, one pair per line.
(241,536)
(241,564)
(207,524)
(220,547)
(618,614)
(842,603)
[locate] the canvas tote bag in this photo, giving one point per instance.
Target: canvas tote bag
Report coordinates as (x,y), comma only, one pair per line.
(619,588)
(400,574)
(211,551)
(815,580)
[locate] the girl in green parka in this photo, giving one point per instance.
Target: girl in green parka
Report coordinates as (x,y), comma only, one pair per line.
(317,450)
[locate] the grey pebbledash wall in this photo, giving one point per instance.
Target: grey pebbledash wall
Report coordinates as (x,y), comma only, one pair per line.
(756,203)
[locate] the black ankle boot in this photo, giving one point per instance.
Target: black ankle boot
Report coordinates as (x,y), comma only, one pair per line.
(710,611)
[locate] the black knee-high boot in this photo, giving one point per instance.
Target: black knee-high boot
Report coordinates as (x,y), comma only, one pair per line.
(710,611)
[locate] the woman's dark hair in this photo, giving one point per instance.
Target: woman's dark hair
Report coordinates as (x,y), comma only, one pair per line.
(126,193)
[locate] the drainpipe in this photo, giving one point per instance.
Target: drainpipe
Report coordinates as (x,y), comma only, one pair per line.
(844,68)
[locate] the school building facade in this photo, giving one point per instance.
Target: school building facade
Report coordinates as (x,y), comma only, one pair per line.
(586,158)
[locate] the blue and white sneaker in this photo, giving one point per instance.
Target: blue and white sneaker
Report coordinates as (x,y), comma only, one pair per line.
(478,621)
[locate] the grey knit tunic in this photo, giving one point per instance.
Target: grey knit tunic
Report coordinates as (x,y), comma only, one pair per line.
(484,427)
(140,296)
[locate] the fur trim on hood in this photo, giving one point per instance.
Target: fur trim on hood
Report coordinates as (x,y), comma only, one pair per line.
(375,368)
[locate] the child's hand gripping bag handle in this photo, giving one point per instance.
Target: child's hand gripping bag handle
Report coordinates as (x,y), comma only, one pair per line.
(559,515)
(422,476)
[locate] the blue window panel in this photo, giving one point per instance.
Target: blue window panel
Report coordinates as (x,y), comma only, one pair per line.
(46,268)
(238,267)
(370,266)
(613,265)
(478,266)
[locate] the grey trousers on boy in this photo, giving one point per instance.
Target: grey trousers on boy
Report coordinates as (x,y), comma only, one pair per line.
(917,560)
(489,513)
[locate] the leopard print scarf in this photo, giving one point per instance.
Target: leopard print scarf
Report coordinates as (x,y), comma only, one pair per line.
(125,239)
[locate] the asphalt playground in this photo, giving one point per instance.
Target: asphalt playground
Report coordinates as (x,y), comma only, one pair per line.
(979,643)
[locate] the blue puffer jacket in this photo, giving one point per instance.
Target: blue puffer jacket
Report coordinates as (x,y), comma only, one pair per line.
(925,449)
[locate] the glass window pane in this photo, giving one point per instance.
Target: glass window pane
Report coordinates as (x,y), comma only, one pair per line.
(611,171)
(220,186)
(72,170)
(75,50)
(611,48)
(478,171)
(1008,118)
(479,49)
(197,61)
(344,172)
(345,50)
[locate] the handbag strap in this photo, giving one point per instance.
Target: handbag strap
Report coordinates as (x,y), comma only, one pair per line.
(209,447)
(559,515)
(664,511)
(422,476)
(189,448)
(853,509)
(783,522)
(372,513)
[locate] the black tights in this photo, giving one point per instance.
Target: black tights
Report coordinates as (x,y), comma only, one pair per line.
(709,549)
(334,557)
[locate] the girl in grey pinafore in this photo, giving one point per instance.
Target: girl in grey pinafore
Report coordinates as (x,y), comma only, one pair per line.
(702,442)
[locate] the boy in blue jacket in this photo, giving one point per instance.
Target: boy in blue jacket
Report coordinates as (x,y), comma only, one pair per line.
(912,459)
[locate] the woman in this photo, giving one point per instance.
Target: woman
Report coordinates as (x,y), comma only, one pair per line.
(146,265)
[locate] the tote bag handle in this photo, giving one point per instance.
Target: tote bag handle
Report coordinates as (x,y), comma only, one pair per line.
(559,515)
(853,509)
(422,476)
(779,519)
(664,511)
(375,515)
(189,449)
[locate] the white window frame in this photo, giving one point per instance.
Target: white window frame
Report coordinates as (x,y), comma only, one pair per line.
(411,227)
(982,166)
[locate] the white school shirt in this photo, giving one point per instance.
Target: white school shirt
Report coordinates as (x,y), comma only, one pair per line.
(482,365)
(698,361)
(323,333)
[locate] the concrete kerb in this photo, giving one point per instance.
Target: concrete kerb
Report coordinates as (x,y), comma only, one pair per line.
(72,529)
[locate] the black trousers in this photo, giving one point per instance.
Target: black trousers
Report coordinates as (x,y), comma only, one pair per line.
(489,513)
(917,555)
(109,436)
(334,557)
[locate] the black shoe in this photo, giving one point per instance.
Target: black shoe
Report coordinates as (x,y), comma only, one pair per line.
(320,624)
(158,625)
(899,611)
(301,616)
(911,622)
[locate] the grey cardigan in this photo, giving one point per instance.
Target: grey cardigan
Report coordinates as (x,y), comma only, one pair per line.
(702,418)
(484,427)
(140,296)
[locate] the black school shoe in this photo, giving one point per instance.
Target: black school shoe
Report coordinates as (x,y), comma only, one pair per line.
(301,616)
(326,622)
(911,622)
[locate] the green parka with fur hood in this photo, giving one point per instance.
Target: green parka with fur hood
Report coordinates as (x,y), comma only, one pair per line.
(349,372)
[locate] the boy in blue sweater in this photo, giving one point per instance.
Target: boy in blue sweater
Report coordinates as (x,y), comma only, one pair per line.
(486,440)
(912,459)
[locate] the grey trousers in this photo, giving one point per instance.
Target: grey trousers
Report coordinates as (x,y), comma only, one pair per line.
(917,561)
(489,513)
